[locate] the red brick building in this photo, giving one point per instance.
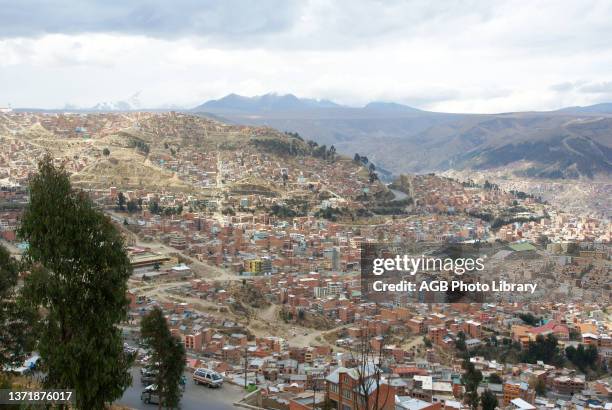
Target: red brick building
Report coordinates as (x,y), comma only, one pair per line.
(346,389)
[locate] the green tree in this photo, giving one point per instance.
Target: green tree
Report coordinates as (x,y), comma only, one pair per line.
(332,152)
(106,152)
(545,349)
(529,318)
(154,207)
(121,201)
(471,378)
(132,206)
(15,318)
(540,387)
(79,271)
(488,400)
(168,356)
(460,342)
(582,357)
(495,378)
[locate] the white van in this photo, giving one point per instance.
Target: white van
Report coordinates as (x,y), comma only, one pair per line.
(207,377)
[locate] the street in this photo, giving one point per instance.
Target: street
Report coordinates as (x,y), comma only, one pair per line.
(195,397)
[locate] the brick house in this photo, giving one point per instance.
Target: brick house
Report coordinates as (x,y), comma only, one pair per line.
(346,390)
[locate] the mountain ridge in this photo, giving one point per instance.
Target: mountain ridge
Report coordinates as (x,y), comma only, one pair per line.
(570,143)
(290,102)
(265,102)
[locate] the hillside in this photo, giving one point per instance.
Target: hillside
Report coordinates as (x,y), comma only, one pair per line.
(172,152)
(231,170)
(569,143)
(535,145)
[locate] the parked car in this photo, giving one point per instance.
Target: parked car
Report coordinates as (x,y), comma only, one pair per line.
(207,377)
(148,377)
(149,367)
(149,395)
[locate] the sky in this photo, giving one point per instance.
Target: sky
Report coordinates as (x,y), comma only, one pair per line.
(453,56)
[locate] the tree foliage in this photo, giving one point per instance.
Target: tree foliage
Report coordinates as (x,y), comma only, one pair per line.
(582,357)
(120,201)
(460,342)
(495,378)
(540,387)
(79,271)
(15,317)
(132,206)
(544,349)
(529,318)
(141,146)
(168,356)
(471,378)
(488,400)
(156,208)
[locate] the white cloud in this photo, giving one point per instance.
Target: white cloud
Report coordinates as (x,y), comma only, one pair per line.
(464,56)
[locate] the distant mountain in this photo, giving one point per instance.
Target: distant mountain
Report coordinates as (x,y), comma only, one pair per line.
(112,106)
(603,108)
(539,146)
(568,143)
(390,107)
(267,102)
(130,104)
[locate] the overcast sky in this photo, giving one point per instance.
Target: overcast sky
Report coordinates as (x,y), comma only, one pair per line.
(462,56)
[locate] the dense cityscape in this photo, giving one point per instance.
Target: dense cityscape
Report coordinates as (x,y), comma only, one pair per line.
(306,205)
(249,241)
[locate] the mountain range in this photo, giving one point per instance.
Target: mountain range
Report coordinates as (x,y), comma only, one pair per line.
(571,142)
(274,104)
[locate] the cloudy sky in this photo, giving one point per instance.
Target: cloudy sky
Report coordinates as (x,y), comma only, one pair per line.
(460,56)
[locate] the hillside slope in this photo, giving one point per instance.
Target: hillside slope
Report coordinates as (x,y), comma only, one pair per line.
(569,143)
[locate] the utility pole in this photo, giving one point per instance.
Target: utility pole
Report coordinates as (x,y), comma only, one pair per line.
(316,376)
(246,363)
(314,391)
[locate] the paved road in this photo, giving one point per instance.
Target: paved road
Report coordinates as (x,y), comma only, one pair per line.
(195,397)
